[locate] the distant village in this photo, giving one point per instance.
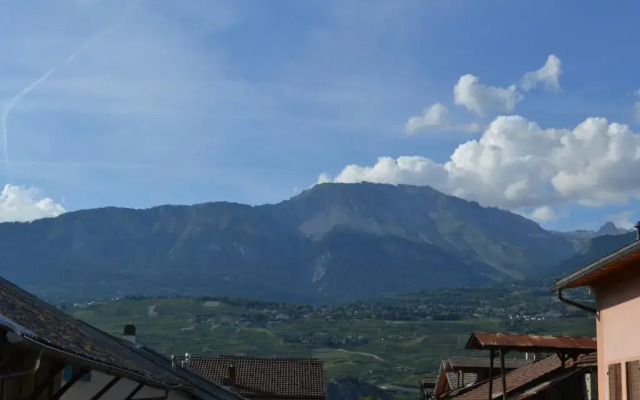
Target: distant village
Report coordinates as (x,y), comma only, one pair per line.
(469,305)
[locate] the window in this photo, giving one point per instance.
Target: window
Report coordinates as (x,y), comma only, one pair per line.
(615,382)
(633,380)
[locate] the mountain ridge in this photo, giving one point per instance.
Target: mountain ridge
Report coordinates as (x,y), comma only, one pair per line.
(331,243)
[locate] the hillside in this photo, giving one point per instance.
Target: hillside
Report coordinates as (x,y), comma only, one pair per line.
(332,243)
(595,249)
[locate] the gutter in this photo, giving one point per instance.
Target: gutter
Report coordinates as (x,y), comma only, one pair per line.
(31,339)
(102,367)
(575,304)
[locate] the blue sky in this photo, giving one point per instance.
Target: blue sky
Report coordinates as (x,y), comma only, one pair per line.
(252,101)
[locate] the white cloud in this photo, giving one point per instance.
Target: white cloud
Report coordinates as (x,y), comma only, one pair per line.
(636,110)
(548,75)
(519,166)
(483,99)
(22,204)
(437,116)
(543,214)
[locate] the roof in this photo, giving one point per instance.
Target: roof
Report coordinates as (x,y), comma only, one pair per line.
(455,382)
(447,379)
(71,341)
(457,363)
(202,387)
(619,259)
(532,343)
(515,379)
(548,382)
(278,377)
(587,360)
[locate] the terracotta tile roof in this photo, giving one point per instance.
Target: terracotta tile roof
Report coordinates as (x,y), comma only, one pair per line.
(45,327)
(259,377)
(467,379)
(541,343)
(587,360)
(515,379)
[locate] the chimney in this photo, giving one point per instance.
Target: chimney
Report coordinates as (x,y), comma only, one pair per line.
(637,226)
(187,360)
(129,333)
(230,379)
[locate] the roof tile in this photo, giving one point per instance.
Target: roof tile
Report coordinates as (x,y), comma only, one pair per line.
(515,379)
(282,377)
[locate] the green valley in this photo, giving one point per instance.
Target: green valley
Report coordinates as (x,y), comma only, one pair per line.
(391,342)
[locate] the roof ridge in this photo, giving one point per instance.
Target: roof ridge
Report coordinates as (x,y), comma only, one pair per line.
(227,356)
(532,334)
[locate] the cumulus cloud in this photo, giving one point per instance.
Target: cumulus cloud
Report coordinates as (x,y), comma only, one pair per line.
(518,165)
(25,204)
(548,75)
(483,99)
(543,214)
(437,116)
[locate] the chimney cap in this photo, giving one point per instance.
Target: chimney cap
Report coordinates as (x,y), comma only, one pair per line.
(130,330)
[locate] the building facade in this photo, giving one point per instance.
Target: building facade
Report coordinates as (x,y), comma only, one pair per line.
(615,281)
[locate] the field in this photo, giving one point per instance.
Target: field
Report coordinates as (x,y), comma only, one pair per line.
(388,353)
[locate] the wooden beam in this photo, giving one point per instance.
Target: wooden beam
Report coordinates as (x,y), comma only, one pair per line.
(504,376)
(75,378)
(106,388)
(47,382)
(134,391)
(492,356)
(563,358)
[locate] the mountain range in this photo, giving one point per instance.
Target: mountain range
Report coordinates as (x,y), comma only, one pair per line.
(331,243)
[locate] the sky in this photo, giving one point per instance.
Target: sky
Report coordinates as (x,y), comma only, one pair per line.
(533,107)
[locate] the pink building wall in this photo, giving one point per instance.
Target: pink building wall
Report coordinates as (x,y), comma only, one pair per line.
(618,328)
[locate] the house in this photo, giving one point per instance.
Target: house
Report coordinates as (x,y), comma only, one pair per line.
(563,371)
(543,379)
(615,281)
(459,372)
(46,354)
(263,378)
(427,388)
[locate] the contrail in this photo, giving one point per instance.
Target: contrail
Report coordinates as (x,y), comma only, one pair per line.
(16,99)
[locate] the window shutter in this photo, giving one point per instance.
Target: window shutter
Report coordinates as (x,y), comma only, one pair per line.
(615,382)
(633,380)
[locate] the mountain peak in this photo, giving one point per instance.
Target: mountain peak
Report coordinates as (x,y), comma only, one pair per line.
(609,228)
